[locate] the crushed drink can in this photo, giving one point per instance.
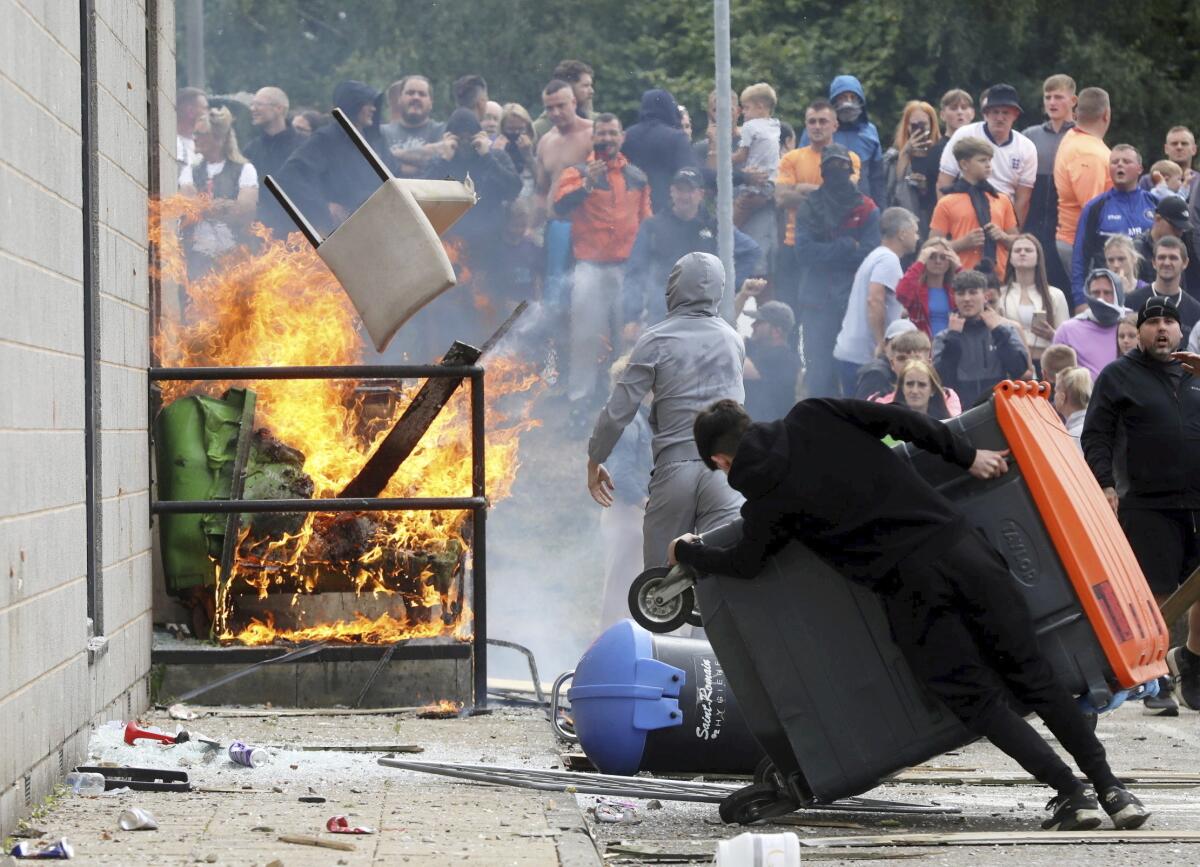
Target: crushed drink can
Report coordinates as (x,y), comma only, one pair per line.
(137,819)
(247,756)
(60,850)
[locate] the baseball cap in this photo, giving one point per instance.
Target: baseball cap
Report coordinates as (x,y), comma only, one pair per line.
(690,176)
(1000,95)
(775,313)
(900,326)
(1175,211)
(834,151)
(1157,306)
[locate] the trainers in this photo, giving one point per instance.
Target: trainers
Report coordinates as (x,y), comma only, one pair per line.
(1185,668)
(1077,812)
(1123,807)
(1162,704)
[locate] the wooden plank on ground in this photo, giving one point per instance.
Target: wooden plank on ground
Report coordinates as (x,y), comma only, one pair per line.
(1006,838)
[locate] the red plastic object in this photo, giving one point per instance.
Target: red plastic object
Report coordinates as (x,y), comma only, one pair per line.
(1089,541)
(341,825)
(133,733)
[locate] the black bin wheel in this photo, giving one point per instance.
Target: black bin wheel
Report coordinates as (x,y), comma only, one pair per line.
(754,803)
(659,617)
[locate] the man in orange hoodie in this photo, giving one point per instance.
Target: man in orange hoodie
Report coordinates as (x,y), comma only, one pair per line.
(606,200)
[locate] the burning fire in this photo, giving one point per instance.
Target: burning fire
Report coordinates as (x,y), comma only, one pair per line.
(281,307)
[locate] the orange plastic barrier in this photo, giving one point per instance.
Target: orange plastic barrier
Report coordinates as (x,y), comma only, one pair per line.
(1085,532)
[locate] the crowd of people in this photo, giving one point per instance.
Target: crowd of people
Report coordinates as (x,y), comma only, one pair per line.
(919,272)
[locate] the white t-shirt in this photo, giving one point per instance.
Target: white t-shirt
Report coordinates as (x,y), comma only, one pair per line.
(1014,164)
(185,150)
(761,136)
(856,342)
(212,238)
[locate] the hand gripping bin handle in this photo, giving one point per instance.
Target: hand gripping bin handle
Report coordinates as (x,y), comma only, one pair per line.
(1102,567)
(388,254)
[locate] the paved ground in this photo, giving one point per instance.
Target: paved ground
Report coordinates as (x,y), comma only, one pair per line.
(429,820)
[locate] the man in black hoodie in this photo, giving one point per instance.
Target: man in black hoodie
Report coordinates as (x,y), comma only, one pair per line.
(327,177)
(823,476)
(1149,394)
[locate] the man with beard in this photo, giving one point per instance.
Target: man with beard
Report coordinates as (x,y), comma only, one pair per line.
(326,177)
(1123,210)
(664,238)
(836,227)
(1155,399)
(413,137)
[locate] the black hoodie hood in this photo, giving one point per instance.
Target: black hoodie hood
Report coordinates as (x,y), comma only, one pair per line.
(350,96)
(762,459)
(661,106)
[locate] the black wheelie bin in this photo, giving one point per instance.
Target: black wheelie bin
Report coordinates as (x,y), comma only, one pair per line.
(809,654)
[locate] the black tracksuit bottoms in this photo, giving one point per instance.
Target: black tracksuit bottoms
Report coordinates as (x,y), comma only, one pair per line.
(967,633)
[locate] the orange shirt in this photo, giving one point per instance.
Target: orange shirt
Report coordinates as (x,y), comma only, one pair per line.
(803,166)
(604,222)
(954,217)
(1080,174)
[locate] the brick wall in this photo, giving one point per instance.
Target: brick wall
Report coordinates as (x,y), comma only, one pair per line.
(51,688)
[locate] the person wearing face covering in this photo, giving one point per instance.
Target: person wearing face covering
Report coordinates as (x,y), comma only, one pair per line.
(1093,333)
(856,133)
(836,227)
(685,362)
(658,146)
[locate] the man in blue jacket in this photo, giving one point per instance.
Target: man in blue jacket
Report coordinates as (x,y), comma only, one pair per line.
(855,132)
(1124,210)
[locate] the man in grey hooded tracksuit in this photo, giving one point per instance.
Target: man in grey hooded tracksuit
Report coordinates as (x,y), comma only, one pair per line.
(687,361)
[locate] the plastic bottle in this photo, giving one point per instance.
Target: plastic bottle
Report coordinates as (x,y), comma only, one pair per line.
(85,783)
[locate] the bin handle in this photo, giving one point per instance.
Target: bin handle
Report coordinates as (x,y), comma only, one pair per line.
(555,691)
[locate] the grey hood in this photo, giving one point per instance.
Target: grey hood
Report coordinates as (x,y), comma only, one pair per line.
(696,285)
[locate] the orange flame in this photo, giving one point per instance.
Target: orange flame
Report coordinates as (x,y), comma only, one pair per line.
(281,306)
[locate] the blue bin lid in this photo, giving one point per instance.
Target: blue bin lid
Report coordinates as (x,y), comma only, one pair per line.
(619,693)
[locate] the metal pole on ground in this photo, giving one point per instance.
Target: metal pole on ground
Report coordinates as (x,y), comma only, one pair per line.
(724,151)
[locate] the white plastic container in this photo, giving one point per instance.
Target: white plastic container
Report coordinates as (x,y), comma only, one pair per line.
(759,850)
(85,783)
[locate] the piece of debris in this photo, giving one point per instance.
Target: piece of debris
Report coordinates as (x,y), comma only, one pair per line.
(266,829)
(612,812)
(313,797)
(28,833)
(314,840)
(341,825)
(60,850)
(181,711)
(137,819)
(247,756)
(654,804)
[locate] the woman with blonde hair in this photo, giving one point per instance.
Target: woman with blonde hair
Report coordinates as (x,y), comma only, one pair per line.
(517,139)
(911,165)
(229,180)
(925,290)
(1028,298)
(1121,256)
(919,388)
(1072,394)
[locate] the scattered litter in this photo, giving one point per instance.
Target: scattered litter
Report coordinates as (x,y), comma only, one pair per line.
(612,812)
(247,756)
(181,711)
(313,797)
(60,850)
(85,783)
(654,804)
(759,850)
(140,779)
(266,829)
(314,840)
(137,819)
(133,734)
(341,825)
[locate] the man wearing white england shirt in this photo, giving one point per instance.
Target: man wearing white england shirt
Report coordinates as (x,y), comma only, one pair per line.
(1014,167)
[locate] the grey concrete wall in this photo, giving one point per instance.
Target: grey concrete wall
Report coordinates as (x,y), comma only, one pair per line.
(52,689)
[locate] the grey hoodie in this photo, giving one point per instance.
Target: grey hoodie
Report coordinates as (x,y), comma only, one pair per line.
(690,359)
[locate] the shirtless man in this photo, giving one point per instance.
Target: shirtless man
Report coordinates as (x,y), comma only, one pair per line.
(568,143)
